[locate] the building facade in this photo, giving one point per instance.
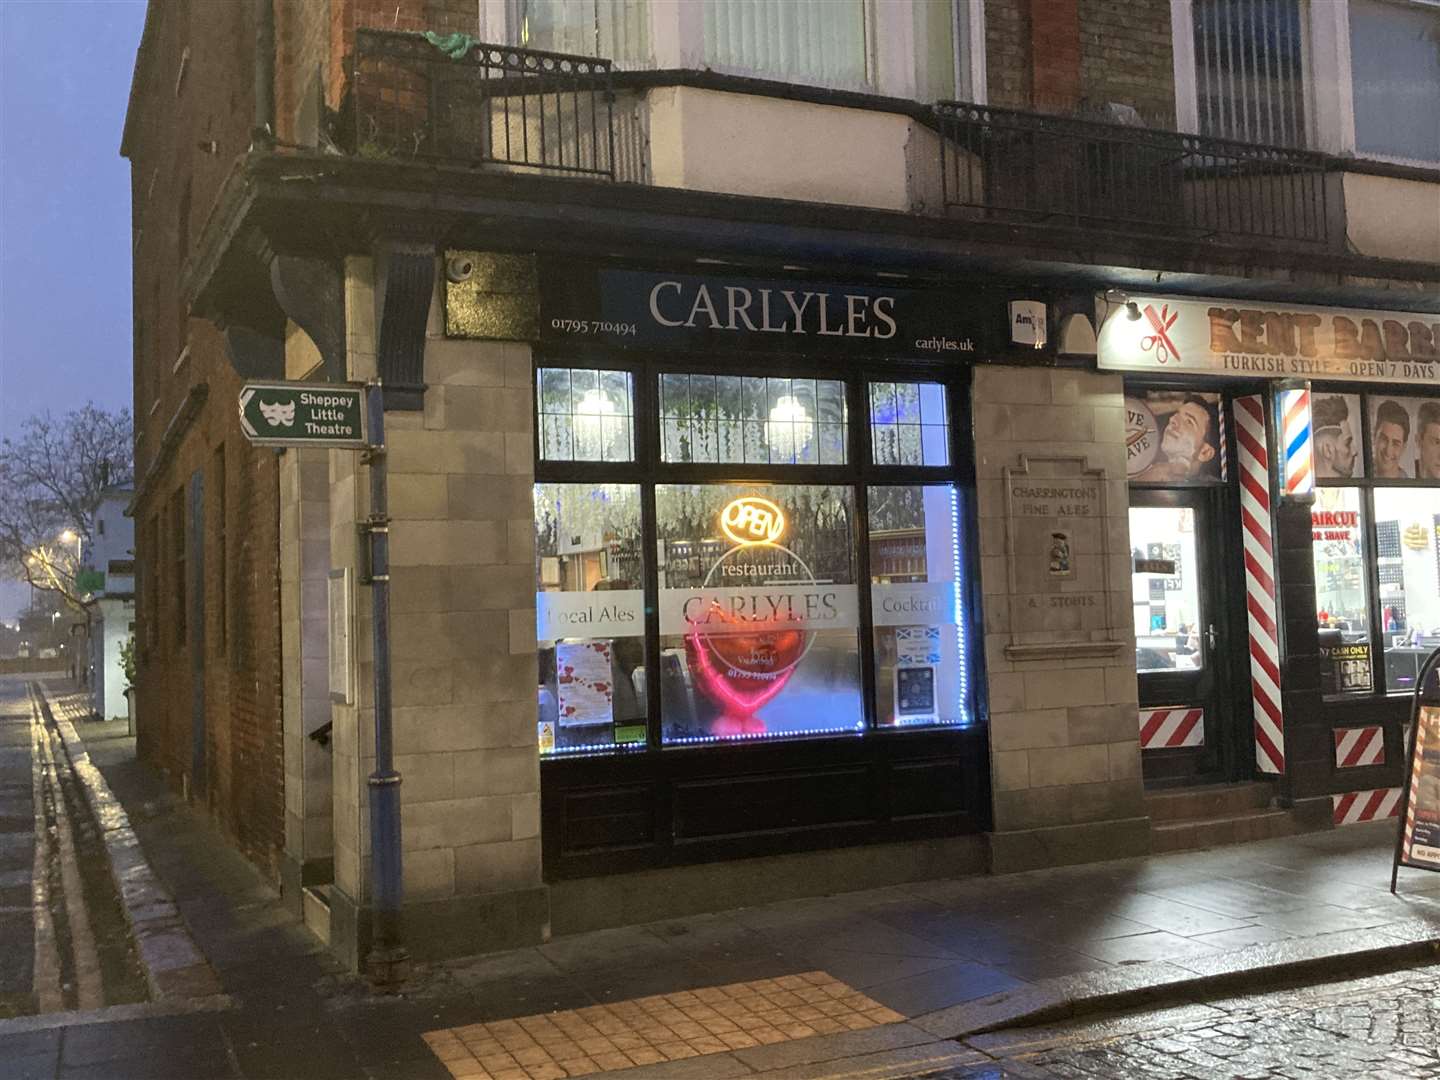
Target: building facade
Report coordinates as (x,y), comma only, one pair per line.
(828,444)
(112,614)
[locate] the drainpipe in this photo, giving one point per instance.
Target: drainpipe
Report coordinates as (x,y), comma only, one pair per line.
(263,133)
(388,958)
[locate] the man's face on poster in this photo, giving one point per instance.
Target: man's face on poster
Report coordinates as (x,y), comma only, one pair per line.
(1389,444)
(1429,452)
(1337,451)
(1185,437)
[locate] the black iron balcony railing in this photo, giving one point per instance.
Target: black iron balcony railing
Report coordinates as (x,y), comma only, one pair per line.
(460,101)
(454,100)
(1006,165)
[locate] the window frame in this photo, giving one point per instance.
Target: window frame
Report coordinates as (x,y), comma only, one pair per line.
(1327,76)
(648,470)
(1368,484)
(677,31)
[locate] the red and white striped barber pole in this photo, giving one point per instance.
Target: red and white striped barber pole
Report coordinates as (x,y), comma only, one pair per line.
(1359,746)
(1257,532)
(1166,728)
(1297,469)
(1356,806)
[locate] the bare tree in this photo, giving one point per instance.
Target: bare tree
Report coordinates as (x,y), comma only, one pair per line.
(52,479)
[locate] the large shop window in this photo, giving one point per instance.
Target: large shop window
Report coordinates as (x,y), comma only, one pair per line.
(1376,539)
(590,617)
(916,578)
(735,609)
(759,613)
(1342,595)
(1407,527)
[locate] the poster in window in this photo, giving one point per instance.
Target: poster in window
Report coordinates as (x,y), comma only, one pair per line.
(1392,437)
(1427,440)
(1420,828)
(583,676)
(1336,419)
(1346,667)
(915,692)
(1173,435)
(917,644)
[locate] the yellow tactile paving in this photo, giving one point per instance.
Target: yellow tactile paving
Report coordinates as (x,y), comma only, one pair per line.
(651,1030)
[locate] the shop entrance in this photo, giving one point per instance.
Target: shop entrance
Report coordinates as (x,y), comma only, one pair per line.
(1179,617)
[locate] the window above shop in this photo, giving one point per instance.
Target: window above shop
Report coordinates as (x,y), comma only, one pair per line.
(927,49)
(1360,76)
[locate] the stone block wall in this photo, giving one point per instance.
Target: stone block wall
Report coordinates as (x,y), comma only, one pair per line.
(304,636)
(1065,754)
(463,646)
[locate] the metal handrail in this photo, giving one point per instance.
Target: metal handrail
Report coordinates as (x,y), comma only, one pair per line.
(1009,164)
(495,105)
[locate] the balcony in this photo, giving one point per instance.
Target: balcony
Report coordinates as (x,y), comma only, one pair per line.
(1015,175)
(1000,164)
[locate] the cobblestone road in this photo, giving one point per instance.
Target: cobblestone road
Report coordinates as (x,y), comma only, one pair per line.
(1384,1027)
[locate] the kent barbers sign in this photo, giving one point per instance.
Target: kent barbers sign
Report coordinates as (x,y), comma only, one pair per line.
(728,313)
(1237,338)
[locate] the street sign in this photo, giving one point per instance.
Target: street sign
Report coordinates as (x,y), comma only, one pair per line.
(303,414)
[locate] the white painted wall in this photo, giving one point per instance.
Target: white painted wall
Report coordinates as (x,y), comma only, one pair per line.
(1392,218)
(742,144)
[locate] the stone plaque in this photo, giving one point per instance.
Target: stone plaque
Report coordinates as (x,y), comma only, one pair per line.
(1057,558)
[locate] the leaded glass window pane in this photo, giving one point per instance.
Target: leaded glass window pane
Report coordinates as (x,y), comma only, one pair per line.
(731,419)
(585,414)
(909,424)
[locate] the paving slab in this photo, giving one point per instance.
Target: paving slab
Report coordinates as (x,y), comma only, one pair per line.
(971,958)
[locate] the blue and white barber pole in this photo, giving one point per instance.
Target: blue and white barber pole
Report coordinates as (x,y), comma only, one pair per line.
(1297,441)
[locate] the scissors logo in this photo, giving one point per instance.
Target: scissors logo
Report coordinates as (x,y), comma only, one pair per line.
(1160,339)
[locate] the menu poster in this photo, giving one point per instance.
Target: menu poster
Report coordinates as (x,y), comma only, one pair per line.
(1420,828)
(915,692)
(583,676)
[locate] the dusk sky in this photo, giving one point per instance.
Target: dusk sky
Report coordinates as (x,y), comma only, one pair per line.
(64,210)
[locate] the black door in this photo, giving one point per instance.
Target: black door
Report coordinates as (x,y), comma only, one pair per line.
(1180,644)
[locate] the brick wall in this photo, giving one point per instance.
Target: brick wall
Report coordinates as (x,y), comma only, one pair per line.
(1007,53)
(1060,55)
(1127,56)
(194,87)
(302,45)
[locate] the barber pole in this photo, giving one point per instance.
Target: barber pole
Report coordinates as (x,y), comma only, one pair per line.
(1253,460)
(1165,729)
(1297,440)
(1356,806)
(1359,746)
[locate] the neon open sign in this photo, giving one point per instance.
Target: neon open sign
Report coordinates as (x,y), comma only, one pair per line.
(752,520)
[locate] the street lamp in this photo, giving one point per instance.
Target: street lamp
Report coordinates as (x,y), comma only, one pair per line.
(70,536)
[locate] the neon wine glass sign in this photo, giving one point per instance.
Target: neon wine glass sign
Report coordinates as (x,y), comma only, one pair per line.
(748,522)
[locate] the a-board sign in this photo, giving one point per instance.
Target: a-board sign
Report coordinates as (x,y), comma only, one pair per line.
(303,414)
(1420,827)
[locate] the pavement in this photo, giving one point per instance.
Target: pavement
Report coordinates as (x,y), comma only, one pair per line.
(1384,1027)
(887,982)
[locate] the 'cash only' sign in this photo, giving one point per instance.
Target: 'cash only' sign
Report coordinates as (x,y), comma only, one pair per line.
(303,414)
